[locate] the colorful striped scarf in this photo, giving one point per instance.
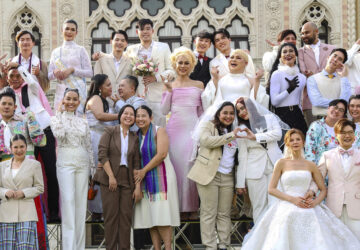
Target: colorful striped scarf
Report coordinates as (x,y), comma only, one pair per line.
(155,186)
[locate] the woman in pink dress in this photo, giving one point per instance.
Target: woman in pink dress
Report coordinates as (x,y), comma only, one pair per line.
(183,99)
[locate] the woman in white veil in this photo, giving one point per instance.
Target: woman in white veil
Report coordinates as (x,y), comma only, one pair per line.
(258,151)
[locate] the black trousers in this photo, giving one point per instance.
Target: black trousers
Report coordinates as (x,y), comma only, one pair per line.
(293,116)
(48,156)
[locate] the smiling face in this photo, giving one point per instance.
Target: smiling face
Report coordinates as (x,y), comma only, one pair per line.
(145,33)
(237,63)
(335,61)
(14,78)
(106,88)
(126,89)
(25,43)
(183,65)
(222,43)
(127,118)
(71,101)
(18,149)
(309,34)
(242,111)
(336,112)
(69,31)
(118,43)
(354,109)
(346,137)
(288,56)
(143,119)
(295,142)
(227,115)
(202,45)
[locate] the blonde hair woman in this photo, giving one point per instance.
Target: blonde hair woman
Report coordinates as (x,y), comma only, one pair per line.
(183,98)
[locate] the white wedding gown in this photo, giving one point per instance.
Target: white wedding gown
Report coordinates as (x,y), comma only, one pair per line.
(285,226)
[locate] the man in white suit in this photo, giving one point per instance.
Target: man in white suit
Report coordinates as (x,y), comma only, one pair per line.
(115,65)
(158,53)
(342,166)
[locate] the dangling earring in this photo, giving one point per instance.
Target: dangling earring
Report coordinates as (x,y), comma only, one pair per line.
(99,92)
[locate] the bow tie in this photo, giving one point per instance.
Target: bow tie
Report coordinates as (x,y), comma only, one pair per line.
(227,57)
(349,152)
(205,58)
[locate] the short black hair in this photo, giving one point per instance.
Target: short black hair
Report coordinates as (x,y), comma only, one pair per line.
(22,33)
(146,108)
(284,34)
(71,21)
(122,111)
(122,32)
(9,92)
(354,97)
(203,34)
(132,80)
(220,31)
(142,22)
(342,51)
(17,137)
(336,101)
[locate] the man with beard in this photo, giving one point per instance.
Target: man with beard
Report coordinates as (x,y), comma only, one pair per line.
(312,59)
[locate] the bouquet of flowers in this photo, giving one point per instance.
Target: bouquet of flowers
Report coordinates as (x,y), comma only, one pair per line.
(144,67)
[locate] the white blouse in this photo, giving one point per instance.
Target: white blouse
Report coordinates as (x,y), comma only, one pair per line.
(72,132)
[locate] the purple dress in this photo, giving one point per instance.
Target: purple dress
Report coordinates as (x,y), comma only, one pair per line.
(185,106)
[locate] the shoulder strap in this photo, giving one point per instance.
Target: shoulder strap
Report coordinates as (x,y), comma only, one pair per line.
(25,96)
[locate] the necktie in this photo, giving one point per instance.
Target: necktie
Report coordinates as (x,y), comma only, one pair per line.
(205,58)
(331,76)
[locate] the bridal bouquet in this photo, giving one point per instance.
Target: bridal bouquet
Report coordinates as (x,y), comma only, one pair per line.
(144,67)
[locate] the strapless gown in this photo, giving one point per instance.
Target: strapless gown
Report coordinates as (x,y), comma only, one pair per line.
(285,226)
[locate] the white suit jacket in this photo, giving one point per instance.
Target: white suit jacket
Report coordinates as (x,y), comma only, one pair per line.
(160,55)
(105,65)
(343,188)
(29,179)
(252,164)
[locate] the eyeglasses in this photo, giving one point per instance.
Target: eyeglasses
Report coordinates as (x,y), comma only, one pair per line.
(339,109)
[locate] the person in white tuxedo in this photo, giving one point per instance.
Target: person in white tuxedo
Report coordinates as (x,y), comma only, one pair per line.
(158,53)
(342,167)
(258,152)
(115,65)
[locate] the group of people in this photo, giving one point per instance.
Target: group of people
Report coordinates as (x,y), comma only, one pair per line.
(191,135)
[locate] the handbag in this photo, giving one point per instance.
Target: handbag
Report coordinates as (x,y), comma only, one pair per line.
(91,192)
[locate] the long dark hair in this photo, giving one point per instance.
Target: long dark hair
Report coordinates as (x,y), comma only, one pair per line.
(96,82)
(241,120)
(219,126)
(277,61)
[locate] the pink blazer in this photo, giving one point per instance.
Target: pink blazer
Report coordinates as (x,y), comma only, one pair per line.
(343,188)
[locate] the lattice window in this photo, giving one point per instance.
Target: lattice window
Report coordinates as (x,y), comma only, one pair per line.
(119,6)
(239,34)
(170,34)
(93,5)
(186,6)
(203,24)
(152,6)
(219,5)
(101,37)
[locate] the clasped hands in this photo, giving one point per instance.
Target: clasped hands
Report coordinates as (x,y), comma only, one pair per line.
(306,201)
(12,194)
(63,74)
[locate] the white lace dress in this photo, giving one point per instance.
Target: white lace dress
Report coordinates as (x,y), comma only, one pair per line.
(73,140)
(285,226)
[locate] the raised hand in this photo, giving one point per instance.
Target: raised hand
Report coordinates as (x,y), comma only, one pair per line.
(293,84)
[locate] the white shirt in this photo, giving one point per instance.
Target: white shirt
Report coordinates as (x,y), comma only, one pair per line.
(316,49)
(117,63)
(228,157)
(197,56)
(124,147)
(7,134)
(14,172)
(145,52)
(346,160)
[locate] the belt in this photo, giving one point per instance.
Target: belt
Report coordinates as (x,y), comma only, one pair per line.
(290,108)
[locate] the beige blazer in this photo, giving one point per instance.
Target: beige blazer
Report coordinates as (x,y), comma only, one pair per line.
(343,188)
(209,155)
(29,179)
(160,55)
(105,65)
(307,59)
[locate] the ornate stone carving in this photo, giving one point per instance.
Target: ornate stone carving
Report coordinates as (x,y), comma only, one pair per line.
(66,9)
(273,5)
(351,22)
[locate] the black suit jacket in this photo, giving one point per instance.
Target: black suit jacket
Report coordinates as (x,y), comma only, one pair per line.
(202,72)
